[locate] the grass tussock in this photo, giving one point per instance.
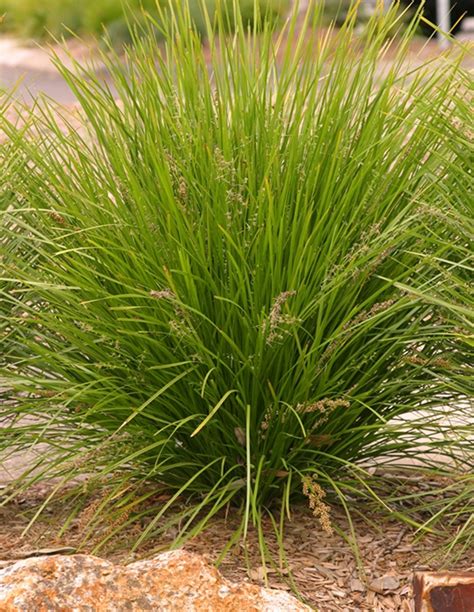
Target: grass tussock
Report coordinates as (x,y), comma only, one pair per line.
(244,281)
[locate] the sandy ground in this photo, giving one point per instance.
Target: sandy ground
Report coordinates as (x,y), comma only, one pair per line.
(30,69)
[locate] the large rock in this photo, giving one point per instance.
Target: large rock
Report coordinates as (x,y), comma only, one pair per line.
(176,580)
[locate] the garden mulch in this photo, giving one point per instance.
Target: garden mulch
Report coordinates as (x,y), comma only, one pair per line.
(324,568)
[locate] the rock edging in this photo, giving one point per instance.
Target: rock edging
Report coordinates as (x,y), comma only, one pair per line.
(175,580)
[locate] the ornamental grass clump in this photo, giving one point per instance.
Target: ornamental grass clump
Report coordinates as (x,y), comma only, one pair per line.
(238,277)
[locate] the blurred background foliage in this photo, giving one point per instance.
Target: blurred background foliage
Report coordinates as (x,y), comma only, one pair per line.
(56,18)
(40,20)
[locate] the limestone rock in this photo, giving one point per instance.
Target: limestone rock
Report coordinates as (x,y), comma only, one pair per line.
(176,580)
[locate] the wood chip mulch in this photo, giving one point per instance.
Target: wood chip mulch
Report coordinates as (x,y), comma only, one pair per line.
(322,568)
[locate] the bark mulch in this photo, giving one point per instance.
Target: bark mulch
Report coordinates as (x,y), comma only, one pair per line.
(324,568)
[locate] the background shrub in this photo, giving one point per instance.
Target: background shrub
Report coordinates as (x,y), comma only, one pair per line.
(34,19)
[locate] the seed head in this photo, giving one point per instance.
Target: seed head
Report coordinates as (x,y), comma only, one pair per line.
(164,294)
(55,216)
(316,495)
(182,189)
(275,319)
(324,405)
